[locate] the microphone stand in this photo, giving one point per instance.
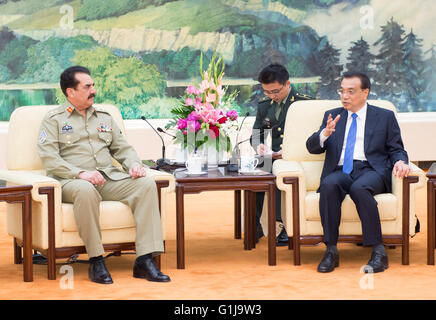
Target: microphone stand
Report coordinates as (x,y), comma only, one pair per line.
(162,161)
(248,139)
(233,165)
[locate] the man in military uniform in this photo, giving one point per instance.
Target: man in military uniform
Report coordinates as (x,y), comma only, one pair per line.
(76,144)
(271,116)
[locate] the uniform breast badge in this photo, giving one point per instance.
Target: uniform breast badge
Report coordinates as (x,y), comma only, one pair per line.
(67,128)
(104,128)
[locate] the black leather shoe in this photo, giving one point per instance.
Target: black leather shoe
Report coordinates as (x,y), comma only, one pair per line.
(146,269)
(98,273)
(259,232)
(329,262)
(282,239)
(377,263)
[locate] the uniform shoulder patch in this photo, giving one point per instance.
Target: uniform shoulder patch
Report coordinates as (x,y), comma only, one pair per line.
(100,109)
(304,96)
(56,111)
(42,136)
(265,100)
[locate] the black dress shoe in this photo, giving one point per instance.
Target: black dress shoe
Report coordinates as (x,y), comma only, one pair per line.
(259,232)
(329,262)
(282,239)
(146,269)
(98,273)
(377,263)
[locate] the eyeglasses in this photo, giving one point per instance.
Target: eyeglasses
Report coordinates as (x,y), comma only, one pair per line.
(349,92)
(273,92)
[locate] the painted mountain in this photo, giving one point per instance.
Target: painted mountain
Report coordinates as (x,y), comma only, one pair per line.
(143,53)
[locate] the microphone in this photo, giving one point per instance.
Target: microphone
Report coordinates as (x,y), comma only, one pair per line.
(162,161)
(233,165)
(173,136)
(256,135)
(163,131)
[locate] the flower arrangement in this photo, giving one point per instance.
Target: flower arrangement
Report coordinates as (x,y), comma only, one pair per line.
(204,112)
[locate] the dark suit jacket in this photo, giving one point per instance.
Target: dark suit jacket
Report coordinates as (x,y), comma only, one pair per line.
(383,145)
(266,119)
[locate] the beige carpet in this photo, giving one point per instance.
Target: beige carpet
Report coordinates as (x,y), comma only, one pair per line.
(217,267)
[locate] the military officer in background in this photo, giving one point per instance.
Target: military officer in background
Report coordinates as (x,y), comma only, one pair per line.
(271,114)
(76,144)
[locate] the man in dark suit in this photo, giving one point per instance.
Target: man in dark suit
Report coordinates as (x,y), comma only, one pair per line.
(363,145)
(271,114)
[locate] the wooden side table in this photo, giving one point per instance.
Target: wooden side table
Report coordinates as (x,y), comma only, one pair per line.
(431,212)
(223,180)
(22,194)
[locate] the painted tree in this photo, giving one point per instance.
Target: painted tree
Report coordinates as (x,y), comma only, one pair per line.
(46,60)
(330,71)
(360,59)
(413,74)
(14,55)
(430,80)
(389,81)
(125,82)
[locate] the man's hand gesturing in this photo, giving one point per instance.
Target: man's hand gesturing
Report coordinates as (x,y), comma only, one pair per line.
(331,124)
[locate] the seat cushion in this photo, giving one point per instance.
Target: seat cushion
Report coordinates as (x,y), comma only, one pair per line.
(387,206)
(113,215)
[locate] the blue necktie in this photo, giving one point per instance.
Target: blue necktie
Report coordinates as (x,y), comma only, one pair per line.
(349,148)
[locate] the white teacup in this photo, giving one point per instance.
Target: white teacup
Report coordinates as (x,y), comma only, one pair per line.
(248,163)
(194,164)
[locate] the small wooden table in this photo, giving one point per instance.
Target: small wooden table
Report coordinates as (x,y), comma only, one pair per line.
(22,194)
(221,179)
(431,212)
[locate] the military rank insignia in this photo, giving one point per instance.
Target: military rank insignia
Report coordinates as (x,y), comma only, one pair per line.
(104,128)
(67,128)
(43,136)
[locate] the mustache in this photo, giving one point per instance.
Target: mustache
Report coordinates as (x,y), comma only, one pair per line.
(91,96)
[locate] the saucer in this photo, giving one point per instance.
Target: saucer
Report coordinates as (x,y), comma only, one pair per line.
(256,171)
(195,174)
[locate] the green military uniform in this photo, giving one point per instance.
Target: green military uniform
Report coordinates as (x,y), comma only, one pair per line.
(69,144)
(266,119)
(271,117)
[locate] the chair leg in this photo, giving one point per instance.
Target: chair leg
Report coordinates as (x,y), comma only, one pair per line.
(51,267)
(297,256)
(18,256)
(290,243)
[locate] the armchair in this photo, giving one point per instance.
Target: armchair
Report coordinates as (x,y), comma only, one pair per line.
(298,176)
(54,232)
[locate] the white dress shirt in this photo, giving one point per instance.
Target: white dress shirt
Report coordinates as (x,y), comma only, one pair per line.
(359,152)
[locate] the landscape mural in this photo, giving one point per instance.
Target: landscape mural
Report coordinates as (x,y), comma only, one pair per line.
(144,53)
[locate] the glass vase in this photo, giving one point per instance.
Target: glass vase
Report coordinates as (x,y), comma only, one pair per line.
(212,156)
